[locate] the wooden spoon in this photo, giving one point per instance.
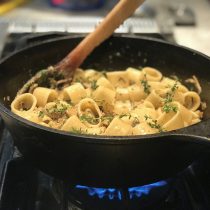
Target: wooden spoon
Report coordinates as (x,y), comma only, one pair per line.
(67,66)
(113,20)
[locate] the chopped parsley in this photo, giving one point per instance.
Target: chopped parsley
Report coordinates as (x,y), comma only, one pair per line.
(169,107)
(58,108)
(153,123)
(95,120)
(41,114)
(146,86)
(174,87)
(89,119)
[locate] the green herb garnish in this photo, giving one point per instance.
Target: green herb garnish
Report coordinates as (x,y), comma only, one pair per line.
(41,114)
(153,123)
(168,107)
(58,108)
(174,87)
(146,86)
(95,120)
(89,119)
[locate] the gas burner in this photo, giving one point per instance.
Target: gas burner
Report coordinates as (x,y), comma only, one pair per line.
(113,193)
(96,198)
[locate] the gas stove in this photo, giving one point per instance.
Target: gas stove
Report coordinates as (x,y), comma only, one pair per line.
(23,187)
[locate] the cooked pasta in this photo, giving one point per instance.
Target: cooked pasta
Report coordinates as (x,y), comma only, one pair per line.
(117,103)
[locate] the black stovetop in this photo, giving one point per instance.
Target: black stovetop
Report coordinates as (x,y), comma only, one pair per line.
(23,187)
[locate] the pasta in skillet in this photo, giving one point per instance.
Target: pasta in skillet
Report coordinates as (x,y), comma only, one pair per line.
(117,103)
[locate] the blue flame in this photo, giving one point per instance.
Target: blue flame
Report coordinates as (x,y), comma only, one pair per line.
(113,193)
(144,190)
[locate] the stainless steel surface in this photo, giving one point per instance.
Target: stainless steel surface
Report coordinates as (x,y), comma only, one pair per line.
(83,25)
(3,35)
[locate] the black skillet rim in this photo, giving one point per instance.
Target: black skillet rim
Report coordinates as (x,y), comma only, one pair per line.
(99,139)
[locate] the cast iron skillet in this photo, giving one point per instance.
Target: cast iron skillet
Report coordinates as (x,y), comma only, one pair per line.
(107,161)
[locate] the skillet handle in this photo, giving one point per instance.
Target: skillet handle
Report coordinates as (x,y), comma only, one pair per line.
(200,130)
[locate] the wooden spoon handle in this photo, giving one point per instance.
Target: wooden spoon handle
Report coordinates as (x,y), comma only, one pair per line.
(113,20)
